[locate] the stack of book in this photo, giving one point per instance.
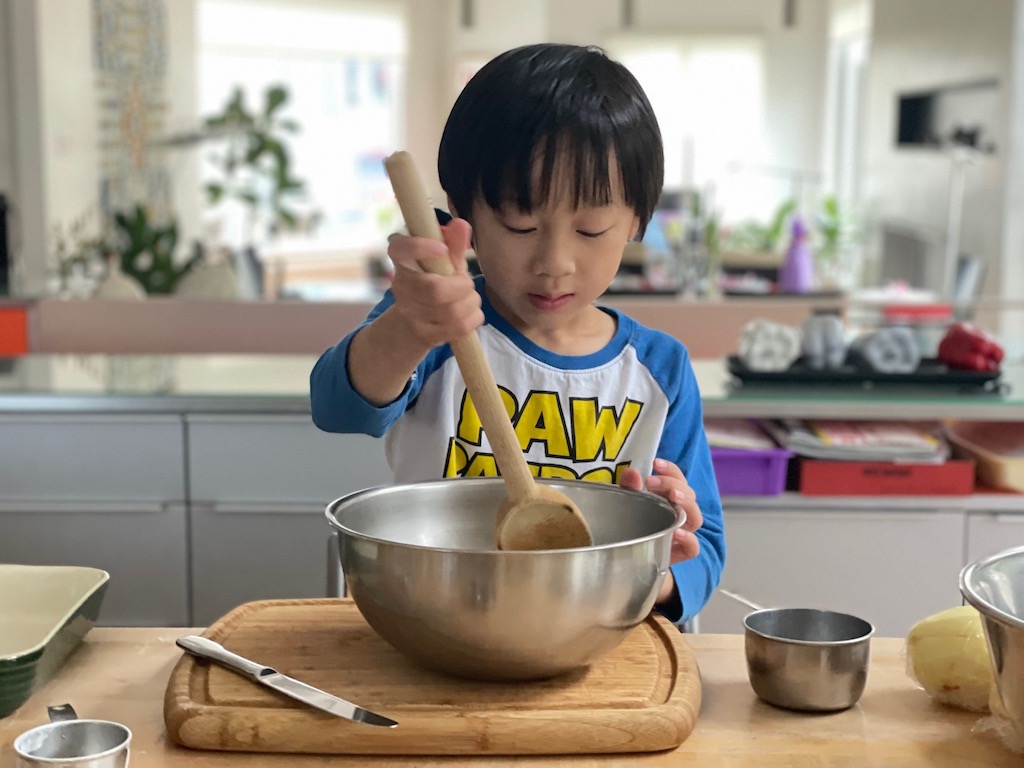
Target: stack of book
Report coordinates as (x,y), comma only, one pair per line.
(843,458)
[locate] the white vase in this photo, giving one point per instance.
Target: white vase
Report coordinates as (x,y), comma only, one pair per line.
(117,285)
(212,281)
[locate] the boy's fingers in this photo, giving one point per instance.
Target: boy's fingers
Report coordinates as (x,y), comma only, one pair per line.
(408,252)
(694,517)
(668,469)
(685,546)
(631,480)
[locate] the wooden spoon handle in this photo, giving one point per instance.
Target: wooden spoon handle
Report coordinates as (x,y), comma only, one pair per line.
(421,221)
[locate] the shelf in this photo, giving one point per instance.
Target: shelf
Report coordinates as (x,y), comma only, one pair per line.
(723,398)
(993,501)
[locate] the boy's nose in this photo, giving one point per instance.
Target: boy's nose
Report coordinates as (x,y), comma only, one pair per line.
(553,257)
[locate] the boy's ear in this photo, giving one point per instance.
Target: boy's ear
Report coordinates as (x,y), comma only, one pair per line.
(635,228)
(455,213)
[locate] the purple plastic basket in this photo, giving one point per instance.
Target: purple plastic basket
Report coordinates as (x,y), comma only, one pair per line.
(743,472)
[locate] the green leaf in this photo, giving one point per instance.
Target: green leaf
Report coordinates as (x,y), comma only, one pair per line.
(214,192)
(774,232)
(277,95)
(257,145)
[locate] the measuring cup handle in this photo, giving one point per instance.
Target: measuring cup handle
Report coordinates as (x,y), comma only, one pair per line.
(60,712)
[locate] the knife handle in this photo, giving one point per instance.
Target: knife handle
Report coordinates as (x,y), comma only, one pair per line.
(208,649)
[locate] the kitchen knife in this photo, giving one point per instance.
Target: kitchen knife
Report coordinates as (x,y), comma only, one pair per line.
(314,697)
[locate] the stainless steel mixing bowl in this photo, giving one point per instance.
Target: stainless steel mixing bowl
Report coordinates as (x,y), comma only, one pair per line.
(806,659)
(995,586)
(421,565)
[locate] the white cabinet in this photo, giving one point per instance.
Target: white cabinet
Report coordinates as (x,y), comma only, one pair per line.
(888,566)
(102,491)
(259,488)
(989,532)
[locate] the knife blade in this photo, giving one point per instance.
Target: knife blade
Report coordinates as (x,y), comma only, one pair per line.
(205,648)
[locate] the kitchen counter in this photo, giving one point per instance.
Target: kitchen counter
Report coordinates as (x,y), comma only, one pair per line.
(280,384)
(172,325)
(120,674)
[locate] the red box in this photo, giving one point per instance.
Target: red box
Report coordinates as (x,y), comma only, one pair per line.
(13,331)
(879,478)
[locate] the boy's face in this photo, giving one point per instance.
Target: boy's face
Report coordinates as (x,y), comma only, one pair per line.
(545,269)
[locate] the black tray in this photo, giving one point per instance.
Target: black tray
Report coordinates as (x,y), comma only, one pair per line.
(930,371)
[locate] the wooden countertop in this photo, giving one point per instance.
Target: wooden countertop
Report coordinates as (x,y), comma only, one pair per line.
(120,674)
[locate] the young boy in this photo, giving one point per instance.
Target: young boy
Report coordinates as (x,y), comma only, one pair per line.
(552,161)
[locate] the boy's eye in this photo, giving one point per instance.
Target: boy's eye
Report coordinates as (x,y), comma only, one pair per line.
(591,234)
(520,230)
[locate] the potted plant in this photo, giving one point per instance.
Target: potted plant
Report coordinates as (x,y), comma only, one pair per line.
(146,251)
(254,162)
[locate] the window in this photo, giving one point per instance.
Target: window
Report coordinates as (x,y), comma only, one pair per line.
(343,64)
(708,95)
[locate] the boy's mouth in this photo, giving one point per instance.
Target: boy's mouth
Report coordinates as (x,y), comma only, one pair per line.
(546,303)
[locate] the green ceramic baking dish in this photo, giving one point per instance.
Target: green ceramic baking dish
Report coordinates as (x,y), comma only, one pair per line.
(45,611)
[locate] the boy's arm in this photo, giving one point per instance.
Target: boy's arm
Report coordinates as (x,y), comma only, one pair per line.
(382,357)
(336,404)
(428,310)
(685,443)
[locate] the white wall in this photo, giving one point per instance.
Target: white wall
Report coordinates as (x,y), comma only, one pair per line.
(181,97)
(6,105)
(1012,284)
(429,96)
(920,45)
(28,213)
(69,122)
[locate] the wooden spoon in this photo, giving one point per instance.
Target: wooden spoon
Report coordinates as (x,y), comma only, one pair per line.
(531,516)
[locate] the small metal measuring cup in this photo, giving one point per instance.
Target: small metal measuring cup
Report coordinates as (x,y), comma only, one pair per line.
(67,742)
(805,659)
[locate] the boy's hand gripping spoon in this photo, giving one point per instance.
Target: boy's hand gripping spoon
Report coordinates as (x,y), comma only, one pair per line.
(531,516)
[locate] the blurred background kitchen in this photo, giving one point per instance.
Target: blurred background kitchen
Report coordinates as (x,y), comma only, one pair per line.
(231,149)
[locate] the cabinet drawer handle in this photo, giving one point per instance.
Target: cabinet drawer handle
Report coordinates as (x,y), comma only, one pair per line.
(260,508)
(35,507)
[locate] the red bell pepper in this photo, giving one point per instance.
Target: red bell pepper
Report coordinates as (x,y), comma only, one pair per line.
(967,346)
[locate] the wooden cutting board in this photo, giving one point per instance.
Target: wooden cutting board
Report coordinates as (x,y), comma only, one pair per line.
(642,697)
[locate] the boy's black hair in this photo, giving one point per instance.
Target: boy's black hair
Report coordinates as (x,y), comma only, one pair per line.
(538,102)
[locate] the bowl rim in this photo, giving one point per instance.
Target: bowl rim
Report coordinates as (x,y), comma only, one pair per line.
(810,643)
(678,516)
(82,582)
(985,608)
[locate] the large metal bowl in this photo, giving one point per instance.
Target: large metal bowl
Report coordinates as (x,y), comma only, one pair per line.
(421,565)
(995,586)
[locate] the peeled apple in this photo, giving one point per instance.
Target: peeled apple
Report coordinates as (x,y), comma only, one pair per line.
(948,656)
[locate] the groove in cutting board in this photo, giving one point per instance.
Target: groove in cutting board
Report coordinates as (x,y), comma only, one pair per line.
(643,696)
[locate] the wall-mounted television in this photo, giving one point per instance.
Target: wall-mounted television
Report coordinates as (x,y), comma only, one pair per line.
(963,114)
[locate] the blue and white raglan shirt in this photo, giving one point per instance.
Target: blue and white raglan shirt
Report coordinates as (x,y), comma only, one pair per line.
(582,417)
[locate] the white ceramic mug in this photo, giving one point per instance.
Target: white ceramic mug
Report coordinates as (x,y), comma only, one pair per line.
(68,742)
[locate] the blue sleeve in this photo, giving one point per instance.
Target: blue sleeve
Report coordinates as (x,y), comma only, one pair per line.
(684,443)
(335,404)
